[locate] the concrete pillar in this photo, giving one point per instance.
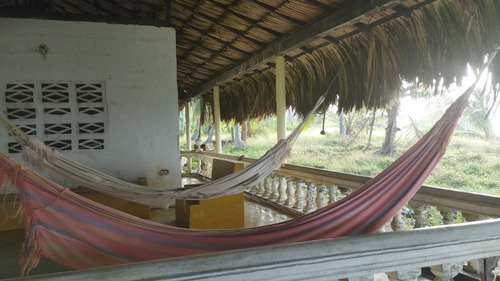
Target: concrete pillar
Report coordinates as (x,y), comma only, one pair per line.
(188,127)
(218,142)
(280,97)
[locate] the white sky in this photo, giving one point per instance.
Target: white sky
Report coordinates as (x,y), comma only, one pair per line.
(417,108)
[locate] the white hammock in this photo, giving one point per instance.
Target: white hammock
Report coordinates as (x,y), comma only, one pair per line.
(42,157)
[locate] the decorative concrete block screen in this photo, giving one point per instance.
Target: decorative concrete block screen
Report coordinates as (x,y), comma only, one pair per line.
(63,115)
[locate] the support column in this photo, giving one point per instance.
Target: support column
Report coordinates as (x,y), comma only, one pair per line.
(280,97)
(218,142)
(188,127)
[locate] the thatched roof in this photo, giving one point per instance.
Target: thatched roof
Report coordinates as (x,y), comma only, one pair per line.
(369,46)
(435,42)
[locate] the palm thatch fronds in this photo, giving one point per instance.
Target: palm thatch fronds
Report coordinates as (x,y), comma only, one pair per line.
(433,45)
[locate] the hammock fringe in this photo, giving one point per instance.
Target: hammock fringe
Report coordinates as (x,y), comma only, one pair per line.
(31,251)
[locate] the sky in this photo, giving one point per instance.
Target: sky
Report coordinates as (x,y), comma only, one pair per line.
(418,109)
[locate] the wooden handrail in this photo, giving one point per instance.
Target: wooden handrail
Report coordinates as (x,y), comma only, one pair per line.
(347,257)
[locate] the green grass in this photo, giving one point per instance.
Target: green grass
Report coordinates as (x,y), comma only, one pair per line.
(470,164)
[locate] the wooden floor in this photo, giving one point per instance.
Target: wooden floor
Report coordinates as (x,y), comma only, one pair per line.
(11,241)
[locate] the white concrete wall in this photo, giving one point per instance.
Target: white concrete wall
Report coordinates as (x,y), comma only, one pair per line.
(138,67)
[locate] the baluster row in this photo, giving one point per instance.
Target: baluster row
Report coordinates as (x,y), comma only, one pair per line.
(307,196)
(296,193)
(204,167)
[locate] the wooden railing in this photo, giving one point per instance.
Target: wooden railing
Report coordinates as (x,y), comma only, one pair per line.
(400,254)
(298,190)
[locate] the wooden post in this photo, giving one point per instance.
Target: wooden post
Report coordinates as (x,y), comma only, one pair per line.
(280,97)
(188,127)
(218,142)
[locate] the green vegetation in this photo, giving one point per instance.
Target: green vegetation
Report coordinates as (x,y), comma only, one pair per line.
(470,163)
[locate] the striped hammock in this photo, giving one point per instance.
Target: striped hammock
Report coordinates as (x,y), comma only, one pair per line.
(79,233)
(41,156)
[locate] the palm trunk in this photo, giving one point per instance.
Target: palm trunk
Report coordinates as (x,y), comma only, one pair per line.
(390,131)
(244,131)
(342,129)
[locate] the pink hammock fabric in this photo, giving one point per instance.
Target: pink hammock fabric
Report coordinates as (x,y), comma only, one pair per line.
(79,233)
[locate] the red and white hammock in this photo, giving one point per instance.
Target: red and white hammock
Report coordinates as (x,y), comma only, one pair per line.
(79,233)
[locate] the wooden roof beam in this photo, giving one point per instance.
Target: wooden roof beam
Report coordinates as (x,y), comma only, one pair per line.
(273,10)
(212,52)
(208,34)
(252,22)
(342,17)
(403,11)
(332,39)
(224,44)
(363,27)
(320,4)
(218,65)
(213,21)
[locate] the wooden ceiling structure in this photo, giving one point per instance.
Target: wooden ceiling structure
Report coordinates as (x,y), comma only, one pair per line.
(233,44)
(221,41)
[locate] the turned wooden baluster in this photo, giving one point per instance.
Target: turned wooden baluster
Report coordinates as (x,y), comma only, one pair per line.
(209,168)
(332,197)
(268,186)
(397,223)
(190,164)
(282,190)
(184,161)
(449,270)
(300,195)
(481,267)
(202,166)
(448,216)
(290,201)
(206,167)
(311,198)
(275,193)
(445,272)
(322,196)
(261,187)
(254,188)
(418,213)
(486,268)
(200,163)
